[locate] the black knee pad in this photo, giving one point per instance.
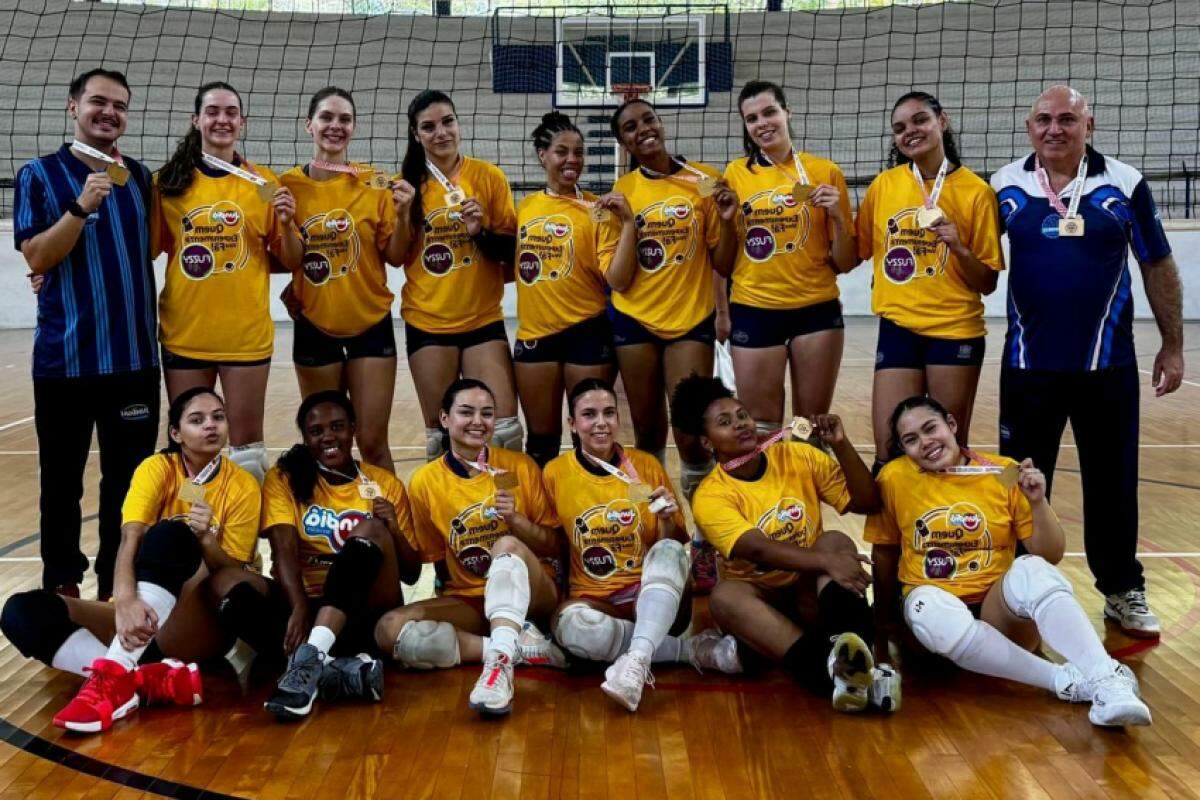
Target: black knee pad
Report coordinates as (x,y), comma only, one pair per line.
(542,448)
(169,555)
(252,617)
(37,623)
(353,572)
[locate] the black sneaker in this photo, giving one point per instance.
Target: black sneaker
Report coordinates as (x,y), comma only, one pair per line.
(357,677)
(293,699)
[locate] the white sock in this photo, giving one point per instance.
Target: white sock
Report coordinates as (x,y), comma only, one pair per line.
(322,638)
(656,610)
(158,599)
(504,640)
(78,652)
(987,651)
(669,649)
(1065,627)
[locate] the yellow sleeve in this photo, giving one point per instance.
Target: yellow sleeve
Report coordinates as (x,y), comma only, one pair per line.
(429,539)
(387,220)
(501,209)
(144,501)
(881,527)
(718,519)
(984,241)
(278,505)
(839,183)
(608,235)
(393,490)
(538,505)
(1022,513)
(239,529)
(712,219)
(864,225)
(272,230)
(829,479)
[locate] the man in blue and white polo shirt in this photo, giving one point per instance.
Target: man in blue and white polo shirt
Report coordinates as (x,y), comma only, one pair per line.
(1071,215)
(81,221)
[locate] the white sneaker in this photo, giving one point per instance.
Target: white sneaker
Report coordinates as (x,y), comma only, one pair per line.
(852,668)
(884,693)
(625,679)
(1072,687)
(493,692)
(1131,611)
(535,649)
(710,649)
(1115,703)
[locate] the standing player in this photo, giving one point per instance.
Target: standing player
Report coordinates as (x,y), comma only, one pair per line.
(948,532)
(929,225)
(797,236)
(482,513)
(788,586)
(462,228)
(563,334)
(664,303)
(85,236)
(216,216)
(1072,214)
(343,329)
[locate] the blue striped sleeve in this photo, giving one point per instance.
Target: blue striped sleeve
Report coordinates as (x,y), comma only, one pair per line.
(1147,237)
(30,215)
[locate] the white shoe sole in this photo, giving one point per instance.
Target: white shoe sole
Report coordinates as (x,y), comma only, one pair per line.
(1136,633)
(1123,715)
(97,727)
(285,712)
(621,699)
(484,708)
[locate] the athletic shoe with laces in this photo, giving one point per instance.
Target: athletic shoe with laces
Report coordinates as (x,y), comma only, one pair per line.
(1115,703)
(169,683)
(357,677)
(626,677)
(293,698)
(852,669)
(108,694)
(884,693)
(535,649)
(710,649)
(1131,611)
(493,692)
(1070,685)
(704,567)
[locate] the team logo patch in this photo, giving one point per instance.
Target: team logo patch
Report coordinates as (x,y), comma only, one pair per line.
(338,224)
(651,254)
(472,534)
(899,264)
(438,259)
(760,244)
(475,560)
(196,261)
(317,268)
(952,538)
(608,538)
(135,412)
(598,561)
(786,522)
(939,564)
(226,216)
(785,200)
(529,266)
(1050,226)
(680,211)
(557,229)
(330,525)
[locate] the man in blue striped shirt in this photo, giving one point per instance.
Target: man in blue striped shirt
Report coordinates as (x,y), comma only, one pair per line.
(82,222)
(1072,216)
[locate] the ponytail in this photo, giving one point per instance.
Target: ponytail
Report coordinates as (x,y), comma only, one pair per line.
(413,168)
(177,174)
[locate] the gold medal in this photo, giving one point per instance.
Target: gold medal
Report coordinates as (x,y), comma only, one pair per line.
(1008,478)
(640,492)
(369,490)
(802,191)
(1070,226)
(506,480)
(801,429)
(118,173)
(454,197)
(928,217)
(191,493)
(707,185)
(598,214)
(267,190)
(379,181)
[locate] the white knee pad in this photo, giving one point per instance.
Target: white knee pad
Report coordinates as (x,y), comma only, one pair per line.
(433,444)
(252,458)
(427,644)
(506,593)
(940,620)
(666,567)
(1029,582)
(690,475)
(508,433)
(591,634)
(765,428)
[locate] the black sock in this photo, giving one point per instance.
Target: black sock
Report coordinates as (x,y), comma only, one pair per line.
(842,610)
(806,659)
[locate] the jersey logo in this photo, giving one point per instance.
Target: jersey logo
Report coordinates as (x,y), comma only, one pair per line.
(609,538)
(473,531)
(212,240)
(910,251)
(545,249)
(787,521)
(447,245)
(775,223)
(332,527)
(668,233)
(953,538)
(332,246)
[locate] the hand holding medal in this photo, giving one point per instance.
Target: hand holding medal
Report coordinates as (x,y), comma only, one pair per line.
(114,165)
(617,205)
(1031,480)
(929,214)
(403,195)
(472,216)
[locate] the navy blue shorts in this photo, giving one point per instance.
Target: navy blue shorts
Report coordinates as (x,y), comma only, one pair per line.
(415,338)
(173,361)
(588,343)
(313,347)
(900,348)
(628,331)
(771,327)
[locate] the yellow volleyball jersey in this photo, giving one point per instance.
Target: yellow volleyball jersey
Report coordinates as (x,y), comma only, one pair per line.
(324,523)
(215,302)
(785,504)
(346,226)
(232,493)
(456,519)
(609,535)
(672,289)
(918,283)
(957,532)
(783,260)
(559,282)
(450,287)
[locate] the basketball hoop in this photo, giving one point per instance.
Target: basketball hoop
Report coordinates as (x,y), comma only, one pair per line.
(630,91)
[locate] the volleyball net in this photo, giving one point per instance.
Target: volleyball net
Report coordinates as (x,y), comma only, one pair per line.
(842,64)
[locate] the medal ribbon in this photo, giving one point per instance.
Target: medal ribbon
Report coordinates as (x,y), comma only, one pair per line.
(480,463)
(626,473)
(1076,188)
(734,463)
(204,474)
(698,175)
(358,476)
(931,198)
(801,174)
(578,199)
(439,176)
(99,155)
(245,175)
(985,467)
(330,166)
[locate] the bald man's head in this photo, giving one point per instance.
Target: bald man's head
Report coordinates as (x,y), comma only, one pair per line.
(1059,125)
(1058,95)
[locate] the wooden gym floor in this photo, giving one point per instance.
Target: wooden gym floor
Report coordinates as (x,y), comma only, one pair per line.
(702,737)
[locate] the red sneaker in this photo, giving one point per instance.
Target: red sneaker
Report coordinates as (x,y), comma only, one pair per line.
(109,693)
(704,567)
(169,682)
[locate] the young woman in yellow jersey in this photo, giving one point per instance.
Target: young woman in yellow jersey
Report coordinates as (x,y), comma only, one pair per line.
(931,229)
(189,512)
(343,324)
(947,534)
(666,308)
(787,585)
(461,239)
(216,229)
(482,515)
(563,333)
(797,235)
(628,564)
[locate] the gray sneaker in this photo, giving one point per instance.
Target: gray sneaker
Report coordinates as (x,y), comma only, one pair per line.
(357,677)
(1072,687)
(1131,611)
(293,699)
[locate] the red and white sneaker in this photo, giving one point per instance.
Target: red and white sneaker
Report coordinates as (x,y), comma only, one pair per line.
(109,693)
(704,566)
(169,682)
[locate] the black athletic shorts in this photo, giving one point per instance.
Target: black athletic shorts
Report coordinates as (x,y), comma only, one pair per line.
(415,338)
(588,342)
(900,348)
(628,331)
(771,327)
(312,347)
(172,361)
